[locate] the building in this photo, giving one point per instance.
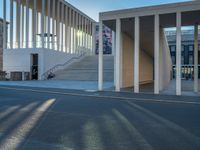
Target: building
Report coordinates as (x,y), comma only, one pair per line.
(187,53)
(142,54)
(1,43)
(44,34)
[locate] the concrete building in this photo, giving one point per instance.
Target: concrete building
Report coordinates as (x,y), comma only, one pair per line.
(42,35)
(187,53)
(142,53)
(1,43)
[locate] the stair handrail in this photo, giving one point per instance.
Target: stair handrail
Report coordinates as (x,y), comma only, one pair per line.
(55,68)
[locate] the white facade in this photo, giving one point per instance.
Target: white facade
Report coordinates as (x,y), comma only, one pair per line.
(53,29)
(142,53)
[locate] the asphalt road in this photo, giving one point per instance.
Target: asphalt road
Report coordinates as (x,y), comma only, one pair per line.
(53,119)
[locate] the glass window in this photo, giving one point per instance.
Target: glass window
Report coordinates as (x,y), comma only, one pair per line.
(191,58)
(173,60)
(182,60)
(173,48)
(182,48)
(199,47)
(191,47)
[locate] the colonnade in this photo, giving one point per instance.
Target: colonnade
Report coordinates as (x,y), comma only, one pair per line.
(52,24)
(118,54)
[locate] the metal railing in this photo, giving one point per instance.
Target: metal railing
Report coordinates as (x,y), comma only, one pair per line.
(61,66)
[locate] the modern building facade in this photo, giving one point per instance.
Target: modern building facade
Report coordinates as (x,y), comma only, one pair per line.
(43,34)
(187,53)
(1,42)
(142,53)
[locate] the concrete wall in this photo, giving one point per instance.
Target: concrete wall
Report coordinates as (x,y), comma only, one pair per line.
(146,68)
(146,64)
(165,61)
(19,60)
(52,58)
(127,61)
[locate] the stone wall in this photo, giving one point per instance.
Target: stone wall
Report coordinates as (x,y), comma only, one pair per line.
(145,67)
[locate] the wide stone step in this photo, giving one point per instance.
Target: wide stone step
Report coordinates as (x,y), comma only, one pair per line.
(87,69)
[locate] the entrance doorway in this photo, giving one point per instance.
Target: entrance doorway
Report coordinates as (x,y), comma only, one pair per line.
(34,66)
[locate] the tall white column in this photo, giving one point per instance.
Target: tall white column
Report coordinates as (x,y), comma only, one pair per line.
(90,38)
(117,56)
(53,25)
(114,54)
(156,53)
(69,33)
(27,23)
(58,25)
(4,25)
(196,48)
(18,23)
(86,34)
(62,24)
(42,22)
(72,39)
(75,15)
(83,33)
(48,12)
(87,27)
(136,54)
(11,24)
(100,72)
(85,37)
(66,29)
(178,53)
(113,43)
(76,34)
(93,38)
(34,23)
(37,26)
(22,26)
(79,31)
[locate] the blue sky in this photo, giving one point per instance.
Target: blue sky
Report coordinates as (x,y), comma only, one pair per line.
(93,7)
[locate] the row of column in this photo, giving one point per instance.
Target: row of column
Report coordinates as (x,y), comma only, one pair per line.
(69,31)
(118,54)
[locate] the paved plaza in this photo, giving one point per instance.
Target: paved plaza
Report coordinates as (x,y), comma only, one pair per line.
(60,119)
(61,84)
(187,86)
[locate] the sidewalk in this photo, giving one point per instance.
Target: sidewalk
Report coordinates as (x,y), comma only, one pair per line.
(61,84)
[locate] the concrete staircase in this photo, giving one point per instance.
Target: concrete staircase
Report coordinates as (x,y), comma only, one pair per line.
(87,70)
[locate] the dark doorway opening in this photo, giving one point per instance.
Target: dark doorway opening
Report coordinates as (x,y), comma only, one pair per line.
(34,66)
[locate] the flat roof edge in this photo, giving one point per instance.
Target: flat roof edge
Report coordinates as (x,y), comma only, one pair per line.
(156,8)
